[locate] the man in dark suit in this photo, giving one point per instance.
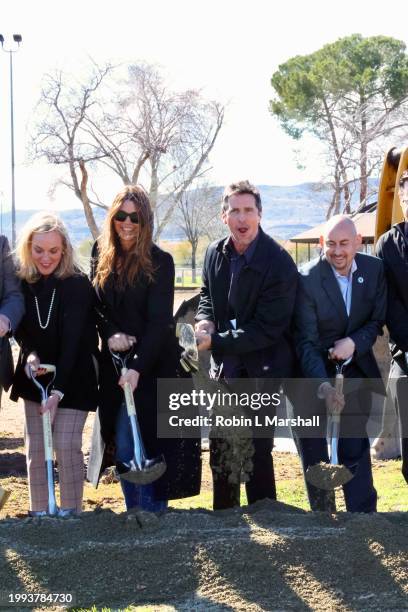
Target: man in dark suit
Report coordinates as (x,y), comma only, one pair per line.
(340,308)
(245,310)
(392,248)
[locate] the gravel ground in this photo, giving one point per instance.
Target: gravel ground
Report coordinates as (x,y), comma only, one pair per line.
(269,557)
(272,557)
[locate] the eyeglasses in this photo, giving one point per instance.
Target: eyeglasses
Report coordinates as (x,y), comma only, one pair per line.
(121,216)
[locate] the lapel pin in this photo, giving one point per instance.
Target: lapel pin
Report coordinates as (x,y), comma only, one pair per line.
(360,280)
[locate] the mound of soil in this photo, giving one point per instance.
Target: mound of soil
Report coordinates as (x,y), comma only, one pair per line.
(268,556)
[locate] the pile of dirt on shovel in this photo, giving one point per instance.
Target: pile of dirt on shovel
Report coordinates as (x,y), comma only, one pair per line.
(270,556)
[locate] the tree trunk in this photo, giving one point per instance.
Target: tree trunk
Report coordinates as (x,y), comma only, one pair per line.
(90,219)
(193,262)
(346,189)
(335,204)
(363,160)
(154,185)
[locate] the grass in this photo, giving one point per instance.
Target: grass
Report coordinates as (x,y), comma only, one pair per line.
(187,281)
(391,487)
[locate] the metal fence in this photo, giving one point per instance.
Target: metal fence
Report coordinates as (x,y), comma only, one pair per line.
(184,277)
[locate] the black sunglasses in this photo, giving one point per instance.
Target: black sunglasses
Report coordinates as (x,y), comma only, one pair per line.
(121,216)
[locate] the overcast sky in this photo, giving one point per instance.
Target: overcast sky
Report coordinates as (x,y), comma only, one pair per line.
(229,49)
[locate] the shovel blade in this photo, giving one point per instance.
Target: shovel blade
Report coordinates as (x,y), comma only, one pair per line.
(4,495)
(152,469)
(328,477)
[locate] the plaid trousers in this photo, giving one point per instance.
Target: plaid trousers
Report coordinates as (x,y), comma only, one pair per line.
(67,438)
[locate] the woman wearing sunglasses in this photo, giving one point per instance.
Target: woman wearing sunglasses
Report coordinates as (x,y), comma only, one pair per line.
(58,328)
(134,283)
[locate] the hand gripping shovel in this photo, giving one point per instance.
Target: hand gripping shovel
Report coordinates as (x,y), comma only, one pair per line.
(329,476)
(44,368)
(139,469)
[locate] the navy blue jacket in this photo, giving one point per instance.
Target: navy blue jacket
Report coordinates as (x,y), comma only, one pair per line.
(265,300)
(321,317)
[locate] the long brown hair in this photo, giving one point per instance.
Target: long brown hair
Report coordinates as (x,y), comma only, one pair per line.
(127,264)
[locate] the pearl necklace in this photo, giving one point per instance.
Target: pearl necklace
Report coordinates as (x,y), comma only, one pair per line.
(49,311)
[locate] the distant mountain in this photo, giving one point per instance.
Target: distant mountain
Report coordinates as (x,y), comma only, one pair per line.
(287,211)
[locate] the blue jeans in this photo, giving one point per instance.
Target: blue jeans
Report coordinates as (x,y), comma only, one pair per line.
(141,496)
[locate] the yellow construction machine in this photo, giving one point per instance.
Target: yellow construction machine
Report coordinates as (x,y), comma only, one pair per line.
(388,208)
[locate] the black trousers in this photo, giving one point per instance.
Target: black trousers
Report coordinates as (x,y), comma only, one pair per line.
(226,480)
(249,456)
(353,450)
(398,387)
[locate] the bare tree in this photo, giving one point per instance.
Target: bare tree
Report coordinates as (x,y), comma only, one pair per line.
(198,215)
(140,130)
(59,135)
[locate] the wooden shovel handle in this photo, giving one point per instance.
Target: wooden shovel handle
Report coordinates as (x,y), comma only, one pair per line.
(339,383)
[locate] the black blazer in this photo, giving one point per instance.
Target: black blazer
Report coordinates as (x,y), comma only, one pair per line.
(392,248)
(144,310)
(321,317)
(12,306)
(265,301)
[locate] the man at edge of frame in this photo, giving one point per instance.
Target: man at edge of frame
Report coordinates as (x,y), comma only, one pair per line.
(11,311)
(392,248)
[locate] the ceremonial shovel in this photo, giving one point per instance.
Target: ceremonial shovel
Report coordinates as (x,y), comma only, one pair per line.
(139,469)
(4,495)
(42,369)
(329,476)
(187,340)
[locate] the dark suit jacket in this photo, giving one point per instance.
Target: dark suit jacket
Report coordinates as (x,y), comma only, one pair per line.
(392,248)
(11,305)
(265,301)
(321,317)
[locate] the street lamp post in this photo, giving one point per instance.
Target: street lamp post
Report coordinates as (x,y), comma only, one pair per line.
(17,39)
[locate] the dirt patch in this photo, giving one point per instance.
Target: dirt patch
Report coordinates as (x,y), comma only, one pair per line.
(269,557)
(328,477)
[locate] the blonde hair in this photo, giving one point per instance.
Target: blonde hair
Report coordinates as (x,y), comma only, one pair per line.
(42,223)
(128,265)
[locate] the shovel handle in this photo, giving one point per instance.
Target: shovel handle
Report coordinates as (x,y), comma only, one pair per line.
(334,438)
(47,433)
(339,383)
(139,451)
(130,402)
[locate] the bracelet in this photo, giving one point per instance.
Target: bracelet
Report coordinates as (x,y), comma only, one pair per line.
(59,393)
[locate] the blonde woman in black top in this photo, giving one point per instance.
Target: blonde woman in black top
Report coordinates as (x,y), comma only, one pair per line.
(57,328)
